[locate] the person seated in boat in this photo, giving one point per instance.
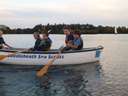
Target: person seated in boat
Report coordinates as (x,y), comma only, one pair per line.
(69,36)
(3,44)
(45,43)
(77,43)
(37,37)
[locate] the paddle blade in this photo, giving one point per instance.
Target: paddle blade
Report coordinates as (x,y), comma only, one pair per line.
(2,57)
(44,70)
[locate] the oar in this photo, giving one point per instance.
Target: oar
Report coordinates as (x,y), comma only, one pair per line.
(2,57)
(44,69)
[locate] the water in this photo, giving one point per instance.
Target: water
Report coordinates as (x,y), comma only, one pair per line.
(105,78)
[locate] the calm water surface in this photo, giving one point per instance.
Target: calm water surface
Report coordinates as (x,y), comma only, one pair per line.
(109,77)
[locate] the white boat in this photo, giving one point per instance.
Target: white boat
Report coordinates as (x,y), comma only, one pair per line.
(86,55)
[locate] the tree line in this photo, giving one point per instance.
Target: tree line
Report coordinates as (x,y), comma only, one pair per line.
(58,29)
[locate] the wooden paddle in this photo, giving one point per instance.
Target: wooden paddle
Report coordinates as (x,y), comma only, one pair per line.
(44,69)
(2,57)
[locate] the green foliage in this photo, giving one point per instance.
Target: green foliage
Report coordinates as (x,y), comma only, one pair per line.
(5,29)
(58,29)
(122,30)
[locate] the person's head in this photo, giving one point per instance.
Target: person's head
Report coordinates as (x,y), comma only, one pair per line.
(1,32)
(76,34)
(66,30)
(45,35)
(36,35)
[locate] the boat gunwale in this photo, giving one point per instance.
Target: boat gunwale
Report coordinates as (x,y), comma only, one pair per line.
(56,51)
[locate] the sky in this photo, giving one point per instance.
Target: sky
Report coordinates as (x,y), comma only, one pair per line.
(28,13)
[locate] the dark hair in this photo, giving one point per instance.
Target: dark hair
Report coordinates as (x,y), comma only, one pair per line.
(77,33)
(1,30)
(67,27)
(37,33)
(47,34)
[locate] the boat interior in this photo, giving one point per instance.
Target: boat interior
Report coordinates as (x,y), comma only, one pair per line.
(52,51)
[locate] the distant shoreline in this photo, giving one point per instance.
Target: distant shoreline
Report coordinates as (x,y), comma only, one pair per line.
(58,29)
(63,34)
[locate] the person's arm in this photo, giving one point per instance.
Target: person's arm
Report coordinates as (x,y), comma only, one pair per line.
(7,45)
(69,39)
(72,46)
(4,43)
(66,42)
(75,45)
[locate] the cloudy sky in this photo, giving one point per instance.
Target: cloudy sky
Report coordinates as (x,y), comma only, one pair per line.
(27,13)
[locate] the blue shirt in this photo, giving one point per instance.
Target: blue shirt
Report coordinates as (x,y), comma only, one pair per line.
(78,42)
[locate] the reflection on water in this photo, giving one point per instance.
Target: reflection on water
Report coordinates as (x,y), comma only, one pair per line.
(60,81)
(109,78)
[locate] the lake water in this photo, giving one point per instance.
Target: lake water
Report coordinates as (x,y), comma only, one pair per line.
(109,77)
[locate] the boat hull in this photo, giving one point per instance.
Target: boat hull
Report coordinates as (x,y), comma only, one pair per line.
(41,58)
